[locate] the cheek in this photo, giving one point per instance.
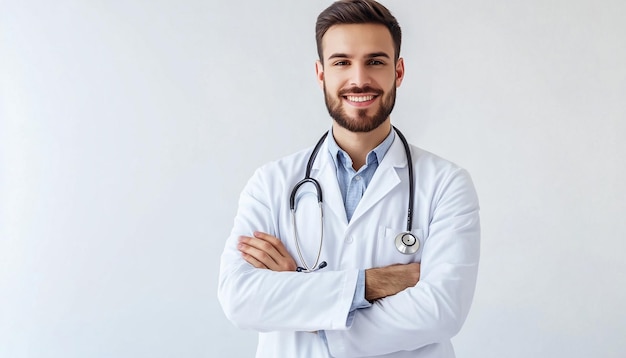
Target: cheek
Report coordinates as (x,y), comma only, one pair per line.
(334,81)
(387,79)
(331,88)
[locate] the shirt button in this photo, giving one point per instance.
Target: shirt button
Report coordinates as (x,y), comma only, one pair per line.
(358,177)
(349,239)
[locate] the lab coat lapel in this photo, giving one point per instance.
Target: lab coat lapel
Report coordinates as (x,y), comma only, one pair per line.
(325,172)
(384,180)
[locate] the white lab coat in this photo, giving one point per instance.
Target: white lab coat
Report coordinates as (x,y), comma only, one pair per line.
(286,306)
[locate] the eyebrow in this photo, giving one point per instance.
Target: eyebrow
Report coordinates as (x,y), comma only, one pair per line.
(371,55)
(378,54)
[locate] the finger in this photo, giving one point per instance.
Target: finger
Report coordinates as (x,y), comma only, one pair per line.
(274,241)
(285,261)
(258,254)
(252,261)
(265,244)
(275,248)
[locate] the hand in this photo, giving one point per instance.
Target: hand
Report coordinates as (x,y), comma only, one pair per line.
(266,252)
(387,281)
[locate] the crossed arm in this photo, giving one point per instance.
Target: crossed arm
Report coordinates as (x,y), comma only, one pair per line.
(265,251)
(417,315)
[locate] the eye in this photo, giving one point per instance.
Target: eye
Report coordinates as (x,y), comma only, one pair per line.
(375,62)
(341,63)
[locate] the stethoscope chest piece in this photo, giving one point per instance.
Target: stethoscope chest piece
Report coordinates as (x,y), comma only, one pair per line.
(407,243)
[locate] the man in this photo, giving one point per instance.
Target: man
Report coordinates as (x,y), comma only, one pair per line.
(366,298)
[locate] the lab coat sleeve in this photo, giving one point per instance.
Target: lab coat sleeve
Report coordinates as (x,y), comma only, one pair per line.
(435,309)
(264,300)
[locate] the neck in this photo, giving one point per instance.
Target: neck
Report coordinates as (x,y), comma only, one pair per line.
(358,144)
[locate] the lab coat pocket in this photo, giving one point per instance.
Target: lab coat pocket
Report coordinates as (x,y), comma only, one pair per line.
(388,253)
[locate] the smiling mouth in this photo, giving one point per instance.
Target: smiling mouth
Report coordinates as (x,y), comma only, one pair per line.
(359,99)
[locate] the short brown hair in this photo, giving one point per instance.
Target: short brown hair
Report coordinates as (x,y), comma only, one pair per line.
(357,12)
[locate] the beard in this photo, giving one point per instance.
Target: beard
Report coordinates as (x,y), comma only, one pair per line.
(362,122)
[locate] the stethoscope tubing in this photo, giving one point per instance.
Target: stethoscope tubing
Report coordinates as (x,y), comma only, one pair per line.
(318,188)
(307,176)
(409,159)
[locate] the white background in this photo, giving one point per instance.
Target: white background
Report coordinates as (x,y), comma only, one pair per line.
(128,129)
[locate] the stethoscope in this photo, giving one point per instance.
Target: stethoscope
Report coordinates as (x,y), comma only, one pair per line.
(405,241)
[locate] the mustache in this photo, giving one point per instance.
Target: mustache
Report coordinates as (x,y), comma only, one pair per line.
(364,89)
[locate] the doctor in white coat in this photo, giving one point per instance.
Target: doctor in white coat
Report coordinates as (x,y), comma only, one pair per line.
(369,299)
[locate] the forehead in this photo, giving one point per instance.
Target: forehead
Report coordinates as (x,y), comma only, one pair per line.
(357,40)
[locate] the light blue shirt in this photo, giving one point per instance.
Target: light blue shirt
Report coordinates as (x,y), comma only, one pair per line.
(353,184)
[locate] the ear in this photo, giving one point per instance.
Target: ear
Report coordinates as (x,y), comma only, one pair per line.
(399,71)
(319,73)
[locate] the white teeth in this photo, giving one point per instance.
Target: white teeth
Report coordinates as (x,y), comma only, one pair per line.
(359,98)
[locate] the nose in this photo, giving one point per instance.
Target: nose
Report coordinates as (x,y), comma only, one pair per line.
(360,75)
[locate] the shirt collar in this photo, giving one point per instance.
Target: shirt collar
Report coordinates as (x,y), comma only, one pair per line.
(336,152)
